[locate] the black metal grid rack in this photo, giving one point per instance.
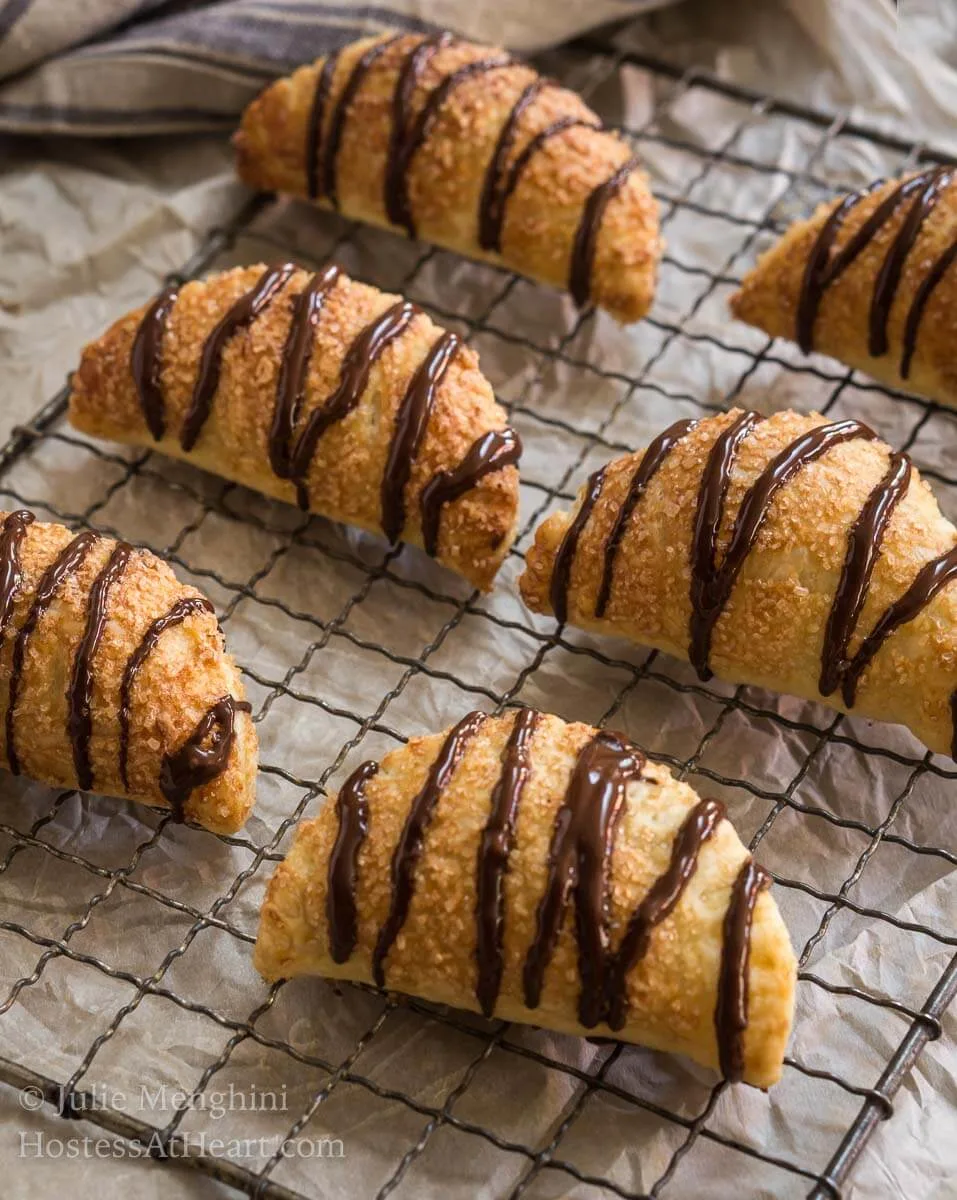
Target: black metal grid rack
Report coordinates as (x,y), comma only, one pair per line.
(554,1159)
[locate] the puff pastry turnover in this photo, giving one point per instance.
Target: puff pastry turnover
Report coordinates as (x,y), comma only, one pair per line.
(464,146)
(113,676)
(318,390)
(788,552)
(869,279)
(542,872)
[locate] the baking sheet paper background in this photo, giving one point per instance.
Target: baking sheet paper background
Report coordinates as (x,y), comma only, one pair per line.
(86,233)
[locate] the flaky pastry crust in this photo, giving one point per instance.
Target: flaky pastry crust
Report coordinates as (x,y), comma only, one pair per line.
(181,678)
(671,992)
(447,176)
(343,476)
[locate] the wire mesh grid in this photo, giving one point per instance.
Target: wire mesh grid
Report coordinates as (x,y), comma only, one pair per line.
(368,593)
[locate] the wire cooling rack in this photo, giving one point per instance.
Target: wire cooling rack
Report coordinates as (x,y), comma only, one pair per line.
(600,1108)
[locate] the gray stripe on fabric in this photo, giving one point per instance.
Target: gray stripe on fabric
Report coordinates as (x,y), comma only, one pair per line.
(11,12)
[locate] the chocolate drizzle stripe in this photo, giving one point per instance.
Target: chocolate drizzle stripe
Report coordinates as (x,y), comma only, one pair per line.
(411,421)
(353,380)
(931,578)
(490,453)
(15,526)
(494,851)
(146,360)
(182,609)
(919,305)
(314,128)
(864,541)
(565,557)
(67,562)
(651,461)
(330,145)
(659,903)
(731,1010)
(579,865)
(352,811)
(712,585)
(395,198)
(422,126)
(80,692)
(197,763)
(409,847)
(294,367)
(586,236)
(492,201)
(240,316)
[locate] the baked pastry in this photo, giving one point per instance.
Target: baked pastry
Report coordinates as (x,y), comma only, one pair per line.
(113,676)
(869,279)
(789,552)
(542,872)
(318,390)
(465,146)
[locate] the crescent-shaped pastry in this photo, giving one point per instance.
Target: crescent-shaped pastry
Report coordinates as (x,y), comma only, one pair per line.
(318,390)
(465,146)
(113,677)
(869,279)
(542,872)
(789,552)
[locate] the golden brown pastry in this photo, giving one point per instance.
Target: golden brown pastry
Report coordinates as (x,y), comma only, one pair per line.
(318,390)
(464,146)
(113,677)
(788,552)
(542,872)
(869,279)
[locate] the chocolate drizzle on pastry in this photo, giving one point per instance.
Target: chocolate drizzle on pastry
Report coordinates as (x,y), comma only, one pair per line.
(731,1011)
(15,526)
(146,360)
(492,452)
(578,871)
(408,135)
(203,756)
(824,268)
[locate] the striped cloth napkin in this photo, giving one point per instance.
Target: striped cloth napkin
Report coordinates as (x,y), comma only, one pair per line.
(107,67)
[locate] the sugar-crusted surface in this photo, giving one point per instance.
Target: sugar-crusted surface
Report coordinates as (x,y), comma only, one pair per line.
(446,175)
(770,292)
(346,473)
(772,630)
(186,673)
(672,992)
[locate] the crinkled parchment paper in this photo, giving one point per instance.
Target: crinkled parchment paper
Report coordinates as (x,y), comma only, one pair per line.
(87,231)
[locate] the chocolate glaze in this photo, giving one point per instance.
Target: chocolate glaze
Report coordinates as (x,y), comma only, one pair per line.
(330,146)
(579,861)
(182,609)
(67,562)
(651,460)
(822,269)
(712,585)
(240,316)
(492,452)
(586,236)
(353,378)
(409,847)
(493,855)
(731,1010)
(79,720)
(411,421)
(396,200)
(659,902)
(15,527)
(294,367)
(562,568)
(146,360)
(197,763)
(314,128)
(352,810)
(492,202)
(864,540)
